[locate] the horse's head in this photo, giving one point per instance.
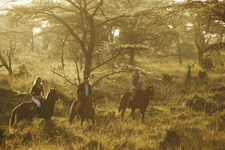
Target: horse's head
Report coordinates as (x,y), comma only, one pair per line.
(150,91)
(53,94)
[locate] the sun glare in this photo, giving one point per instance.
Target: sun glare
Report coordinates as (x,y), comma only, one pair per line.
(22,2)
(9,4)
(116,32)
(37,30)
(179,1)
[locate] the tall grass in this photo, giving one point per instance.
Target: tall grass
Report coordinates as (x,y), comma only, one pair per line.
(170,122)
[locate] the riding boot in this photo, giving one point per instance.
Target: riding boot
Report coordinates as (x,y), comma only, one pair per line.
(128,103)
(38,112)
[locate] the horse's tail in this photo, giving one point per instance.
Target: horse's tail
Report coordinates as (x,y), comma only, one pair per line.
(123,103)
(12,120)
(72,112)
(118,112)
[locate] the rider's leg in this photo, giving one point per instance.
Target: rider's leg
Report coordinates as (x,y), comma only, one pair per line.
(38,103)
(79,105)
(133,94)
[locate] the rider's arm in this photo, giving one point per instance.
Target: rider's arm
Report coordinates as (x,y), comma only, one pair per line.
(42,90)
(32,91)
(131,82)
(142,80)
(90,90)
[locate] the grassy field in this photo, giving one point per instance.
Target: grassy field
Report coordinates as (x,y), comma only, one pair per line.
(183,115)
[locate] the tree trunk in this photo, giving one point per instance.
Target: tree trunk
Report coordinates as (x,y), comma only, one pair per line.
(8,67)
(62,56)
(87,69)
(32,41)
(179,50)
(200,56)
(81,63)
(132,55)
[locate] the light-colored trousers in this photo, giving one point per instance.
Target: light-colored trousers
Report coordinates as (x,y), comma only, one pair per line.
(36,101)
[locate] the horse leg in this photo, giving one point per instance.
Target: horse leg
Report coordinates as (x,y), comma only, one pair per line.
(82,120)
(122,114)
(93,120)
(14,123)
(132,112)
(17,120)
(143,114)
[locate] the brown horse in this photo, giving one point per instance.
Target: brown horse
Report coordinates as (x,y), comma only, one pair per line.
(87,110)
(28,110)
(141,100)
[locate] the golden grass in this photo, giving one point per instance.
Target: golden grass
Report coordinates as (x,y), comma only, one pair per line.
(167,117)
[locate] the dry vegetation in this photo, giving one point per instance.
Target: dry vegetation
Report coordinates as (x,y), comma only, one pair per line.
(181,116)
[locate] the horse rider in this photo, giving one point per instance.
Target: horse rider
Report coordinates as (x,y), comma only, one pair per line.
(37,94)
(83,92)
(136,82)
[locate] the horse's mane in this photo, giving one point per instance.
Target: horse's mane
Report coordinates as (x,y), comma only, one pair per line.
(49,93)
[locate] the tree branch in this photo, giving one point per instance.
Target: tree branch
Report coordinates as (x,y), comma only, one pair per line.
(78,75)
(108,20)
(96,82)
(68,10)
(71,2)
(105,62)
(70,30)
(97,8)
(64,77)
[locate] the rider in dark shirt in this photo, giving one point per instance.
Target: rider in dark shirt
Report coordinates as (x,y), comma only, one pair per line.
(37,93)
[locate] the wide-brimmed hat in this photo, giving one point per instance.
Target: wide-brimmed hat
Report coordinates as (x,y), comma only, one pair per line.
(86,76)
(136,68)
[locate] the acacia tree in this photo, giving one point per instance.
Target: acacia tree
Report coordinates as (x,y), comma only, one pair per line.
(133,30)
(8,43)
(62,37)
(79,18)
(207,17)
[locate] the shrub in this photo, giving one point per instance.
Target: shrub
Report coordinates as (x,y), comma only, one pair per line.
(22,71)
(167,78)
(207,64)
(200,104)
(2,136)
(172,140)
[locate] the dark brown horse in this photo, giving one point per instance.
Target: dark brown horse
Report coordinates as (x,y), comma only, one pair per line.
(141,101)
(28,110)
(86,111)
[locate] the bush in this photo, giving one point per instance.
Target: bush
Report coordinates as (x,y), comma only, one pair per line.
(207,64)
(22,71)
(200,104)
(167,78)
(2,136)
(172,140)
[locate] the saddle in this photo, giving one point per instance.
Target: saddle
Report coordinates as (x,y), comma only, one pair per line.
(79,107)
(37,110)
